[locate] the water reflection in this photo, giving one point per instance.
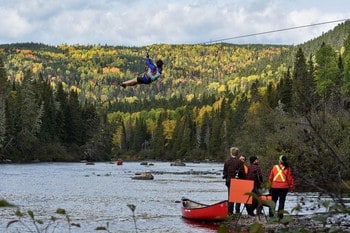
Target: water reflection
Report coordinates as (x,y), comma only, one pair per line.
(210,226)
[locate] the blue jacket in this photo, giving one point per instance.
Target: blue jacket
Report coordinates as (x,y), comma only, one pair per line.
(152,73)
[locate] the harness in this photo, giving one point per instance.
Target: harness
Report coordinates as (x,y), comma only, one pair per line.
(153,75)
(280,176)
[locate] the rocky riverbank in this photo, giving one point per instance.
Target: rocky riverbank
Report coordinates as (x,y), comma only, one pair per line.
(307,223)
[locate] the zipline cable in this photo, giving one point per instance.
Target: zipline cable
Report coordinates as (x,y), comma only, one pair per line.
(273,31)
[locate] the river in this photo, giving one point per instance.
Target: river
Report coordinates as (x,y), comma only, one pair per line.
(97,195)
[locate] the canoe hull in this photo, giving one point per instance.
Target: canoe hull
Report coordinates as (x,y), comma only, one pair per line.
(193,210)
(201,212)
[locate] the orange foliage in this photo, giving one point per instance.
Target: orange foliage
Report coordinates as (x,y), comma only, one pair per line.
(113,70)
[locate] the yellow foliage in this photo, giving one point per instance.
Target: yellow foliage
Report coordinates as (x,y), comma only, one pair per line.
(222,88)
(169,127)
(76,89)
(117,136)
(37,67)
(113,70)
(151,125)
(202,112)
(104,98)
(217,105)
(189,97)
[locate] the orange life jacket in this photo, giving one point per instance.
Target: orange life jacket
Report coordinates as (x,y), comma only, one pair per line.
(279,174)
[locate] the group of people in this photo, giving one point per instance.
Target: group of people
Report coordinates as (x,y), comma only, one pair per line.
(281,181)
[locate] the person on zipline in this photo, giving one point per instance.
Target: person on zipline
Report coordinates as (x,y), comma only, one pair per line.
(152,74)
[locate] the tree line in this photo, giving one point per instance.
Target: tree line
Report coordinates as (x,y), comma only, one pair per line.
(39,123)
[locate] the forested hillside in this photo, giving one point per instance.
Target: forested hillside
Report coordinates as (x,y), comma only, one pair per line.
(63,103)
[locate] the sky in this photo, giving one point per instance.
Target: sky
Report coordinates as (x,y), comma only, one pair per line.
(148,22)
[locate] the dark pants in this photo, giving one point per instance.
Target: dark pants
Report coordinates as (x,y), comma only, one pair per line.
(231,205)
(279,194)
(251,207)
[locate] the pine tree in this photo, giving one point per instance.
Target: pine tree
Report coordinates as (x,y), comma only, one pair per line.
(286,92)
(336,93)
(300,82)
(62,102)
(327,71)
(346,75)
(140,136)
(3,85)
(30,116)
(159,143)
(73,120)
(215,137)
(271,97)
(46,96)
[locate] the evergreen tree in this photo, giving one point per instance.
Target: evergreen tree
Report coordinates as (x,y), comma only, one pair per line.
(3,93)
(336,95)
(73,120)
(30,117)
(346,75)
(188,142)
(46,96)
(254,92)
(141,137)
(215,136)
(61,100)
(90,121)
(12,114)
(301,99)
(286,92)
(271,97)
(204,132)
(159,143)
(327,71)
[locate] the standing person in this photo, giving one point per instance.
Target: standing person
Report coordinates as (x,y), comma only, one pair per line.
(152,74)
(243,159)
(282,180)
(254,173)
(233,168)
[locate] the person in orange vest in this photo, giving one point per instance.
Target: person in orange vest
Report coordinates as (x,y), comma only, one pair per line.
(282,181)
(243,159)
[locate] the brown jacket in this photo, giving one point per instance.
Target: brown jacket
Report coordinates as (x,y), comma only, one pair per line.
(233,168)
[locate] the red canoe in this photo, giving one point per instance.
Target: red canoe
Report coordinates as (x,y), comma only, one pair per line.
(198,211)
(119,162)
(216,212)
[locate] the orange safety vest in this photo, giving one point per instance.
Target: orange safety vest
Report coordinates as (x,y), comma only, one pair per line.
(279,175)
(245,169)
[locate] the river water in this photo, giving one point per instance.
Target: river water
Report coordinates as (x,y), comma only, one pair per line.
(97,195)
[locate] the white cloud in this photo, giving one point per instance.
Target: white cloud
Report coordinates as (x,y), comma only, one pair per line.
(144,22)
(12,25)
